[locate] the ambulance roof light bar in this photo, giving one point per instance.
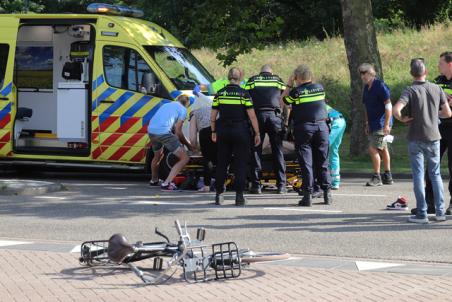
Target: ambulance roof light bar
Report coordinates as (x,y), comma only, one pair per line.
(118,10)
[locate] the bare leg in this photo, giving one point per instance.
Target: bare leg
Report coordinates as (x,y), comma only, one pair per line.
(375,157)
(158,155)
(183,160)
(386,159)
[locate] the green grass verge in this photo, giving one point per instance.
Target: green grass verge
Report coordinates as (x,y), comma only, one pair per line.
(329,63)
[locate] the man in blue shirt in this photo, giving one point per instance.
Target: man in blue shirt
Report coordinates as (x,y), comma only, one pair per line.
(378,123)
(169,116)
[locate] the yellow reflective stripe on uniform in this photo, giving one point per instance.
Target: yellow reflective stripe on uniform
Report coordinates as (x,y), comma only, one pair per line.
(266,84)
(245,102)
(289,100)
(310,98)
(446,88)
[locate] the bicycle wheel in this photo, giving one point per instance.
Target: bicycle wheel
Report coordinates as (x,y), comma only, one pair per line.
(253,257)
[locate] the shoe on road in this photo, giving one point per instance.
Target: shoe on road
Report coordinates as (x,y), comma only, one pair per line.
(414,219)
(374,181)
(401,204)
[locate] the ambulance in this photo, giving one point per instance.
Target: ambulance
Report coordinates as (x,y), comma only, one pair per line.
(80,89)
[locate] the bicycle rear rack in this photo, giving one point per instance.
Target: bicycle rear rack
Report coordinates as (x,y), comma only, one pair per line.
(94,252)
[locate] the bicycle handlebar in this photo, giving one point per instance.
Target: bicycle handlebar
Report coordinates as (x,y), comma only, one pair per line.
(178,227)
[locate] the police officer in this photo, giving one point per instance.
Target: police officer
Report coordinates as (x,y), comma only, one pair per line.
(265,90)
(232,133)
(311,131)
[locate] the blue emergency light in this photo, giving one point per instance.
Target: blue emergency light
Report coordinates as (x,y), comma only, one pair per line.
(117,10)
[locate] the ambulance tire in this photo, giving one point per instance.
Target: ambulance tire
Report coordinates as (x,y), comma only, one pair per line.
(164,169)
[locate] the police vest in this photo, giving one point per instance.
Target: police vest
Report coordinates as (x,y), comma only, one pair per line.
(232,102)
(446,85)
(308,103)
(265,90)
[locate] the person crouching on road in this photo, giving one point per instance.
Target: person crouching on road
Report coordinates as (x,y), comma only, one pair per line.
(311,131)
(170,115)
(231,132)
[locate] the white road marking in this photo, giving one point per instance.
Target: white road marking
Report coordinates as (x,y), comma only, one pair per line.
(304,210)
(12,242)
(157,203)
(360,195)
(368,266)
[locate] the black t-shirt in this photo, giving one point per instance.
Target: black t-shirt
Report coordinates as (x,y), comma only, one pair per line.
(446,85)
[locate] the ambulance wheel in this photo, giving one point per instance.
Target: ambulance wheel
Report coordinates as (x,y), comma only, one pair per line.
(164,168)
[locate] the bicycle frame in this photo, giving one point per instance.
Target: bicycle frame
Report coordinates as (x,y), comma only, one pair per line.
(189,254)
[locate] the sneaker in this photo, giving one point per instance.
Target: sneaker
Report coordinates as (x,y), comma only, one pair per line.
(255,190)
(439,218)
(335,187)
(374,181)
(219,199)
(387,178)
(169,187)
(401,204)
(317,194)
(240,200)
(281,190)
(449,210)
(429,211)
(155,183)
(414,219)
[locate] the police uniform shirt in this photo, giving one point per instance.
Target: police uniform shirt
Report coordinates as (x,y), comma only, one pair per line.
(308,103)
(265,90)
(232,102)
(446,85)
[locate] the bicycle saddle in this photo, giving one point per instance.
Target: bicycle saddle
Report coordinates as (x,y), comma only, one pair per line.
(118,248)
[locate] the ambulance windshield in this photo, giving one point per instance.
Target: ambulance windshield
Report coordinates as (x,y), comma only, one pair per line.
(181,67)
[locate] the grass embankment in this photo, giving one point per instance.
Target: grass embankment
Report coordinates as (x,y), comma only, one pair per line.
(328,61)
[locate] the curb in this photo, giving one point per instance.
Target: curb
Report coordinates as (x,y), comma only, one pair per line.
(28,187)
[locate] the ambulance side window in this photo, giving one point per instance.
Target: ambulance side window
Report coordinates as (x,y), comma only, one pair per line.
(126,69)
(4,49)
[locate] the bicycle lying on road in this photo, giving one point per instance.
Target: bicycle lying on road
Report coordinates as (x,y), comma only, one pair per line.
(224,262)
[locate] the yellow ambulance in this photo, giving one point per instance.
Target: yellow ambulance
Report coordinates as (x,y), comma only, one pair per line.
(81,88)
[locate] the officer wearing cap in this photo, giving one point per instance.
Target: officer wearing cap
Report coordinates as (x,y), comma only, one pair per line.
(265,90)
(232,132)
(311,131)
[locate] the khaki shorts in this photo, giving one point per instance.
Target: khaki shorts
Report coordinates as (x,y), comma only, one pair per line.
(169,141)
(376,140)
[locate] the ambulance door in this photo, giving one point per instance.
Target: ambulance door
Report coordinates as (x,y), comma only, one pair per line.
(126,94)
(9,27)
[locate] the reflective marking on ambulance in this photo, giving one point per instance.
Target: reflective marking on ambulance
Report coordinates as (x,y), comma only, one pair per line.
(5,117)
(120,120)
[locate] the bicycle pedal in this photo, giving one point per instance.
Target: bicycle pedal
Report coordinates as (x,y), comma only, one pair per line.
(158,264)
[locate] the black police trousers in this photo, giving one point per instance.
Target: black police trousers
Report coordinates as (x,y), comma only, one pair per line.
(311,145)
(445,144)
(271,124)
(233,139)
(209,153)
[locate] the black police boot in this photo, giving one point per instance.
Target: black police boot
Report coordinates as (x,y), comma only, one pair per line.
(327,198)
(219,199)
(240,200)
(306,201)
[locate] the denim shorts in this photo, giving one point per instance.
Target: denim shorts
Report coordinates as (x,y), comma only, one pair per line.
(168,140)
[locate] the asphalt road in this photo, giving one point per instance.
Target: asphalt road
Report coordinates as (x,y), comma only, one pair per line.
(96,205)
